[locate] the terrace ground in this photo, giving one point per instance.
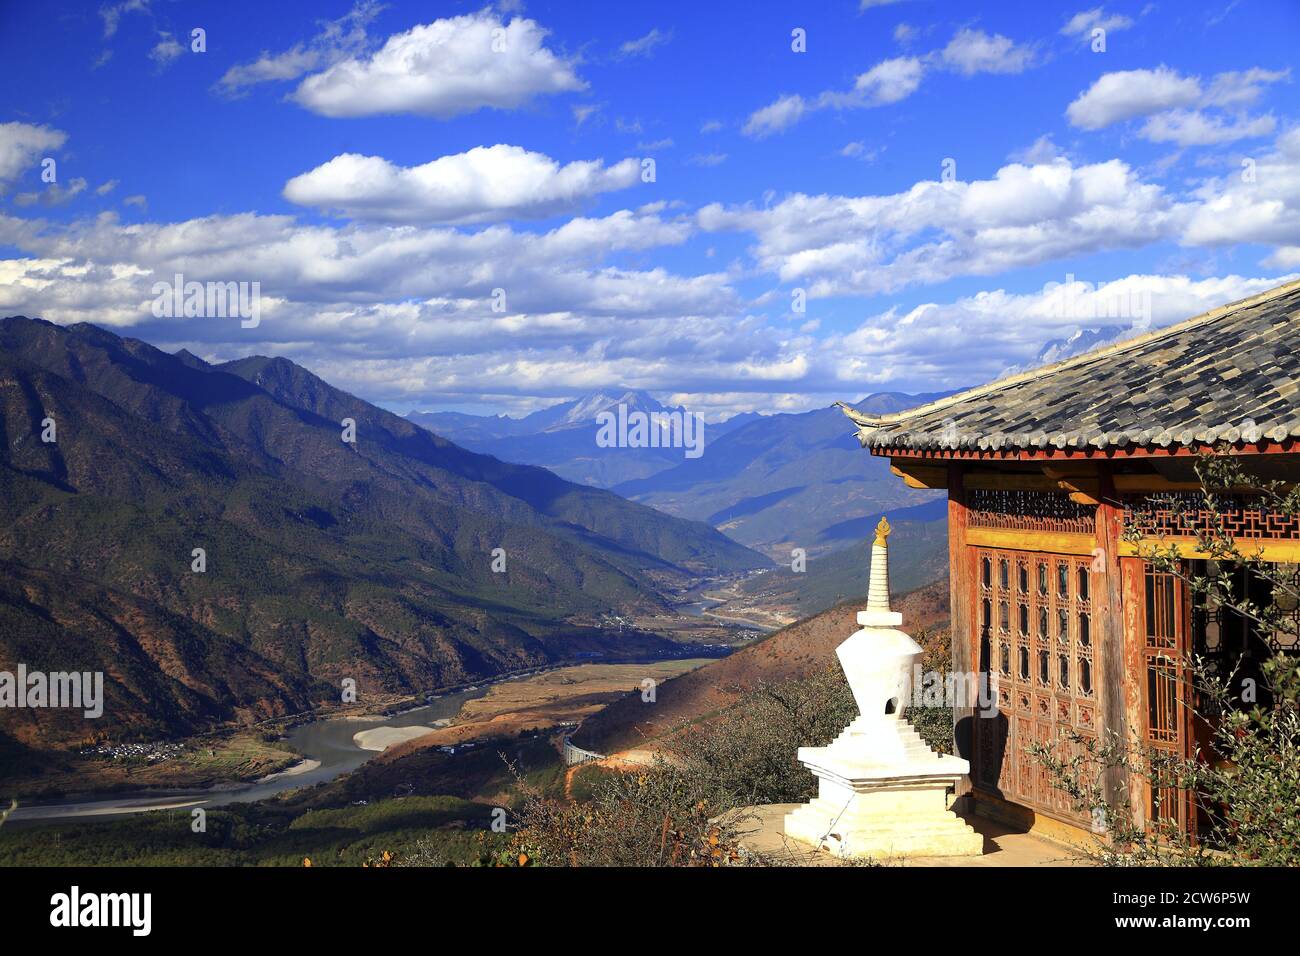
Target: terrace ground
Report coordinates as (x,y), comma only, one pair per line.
(763,834)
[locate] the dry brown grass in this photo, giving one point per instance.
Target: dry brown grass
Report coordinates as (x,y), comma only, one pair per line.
(791,653)
(545,700)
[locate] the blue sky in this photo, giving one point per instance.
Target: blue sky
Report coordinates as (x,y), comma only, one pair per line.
(381,169)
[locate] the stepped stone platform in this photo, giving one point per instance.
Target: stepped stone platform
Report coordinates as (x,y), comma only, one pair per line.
(893,808)
(764,835)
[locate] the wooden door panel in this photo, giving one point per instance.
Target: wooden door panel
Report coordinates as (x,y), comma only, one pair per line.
(1034,629)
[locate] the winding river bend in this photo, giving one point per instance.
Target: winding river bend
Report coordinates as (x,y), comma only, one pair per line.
(326,746)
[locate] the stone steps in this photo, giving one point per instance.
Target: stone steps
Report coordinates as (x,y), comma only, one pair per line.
(845,833)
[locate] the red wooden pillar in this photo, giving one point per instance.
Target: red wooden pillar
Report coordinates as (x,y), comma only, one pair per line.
(961,602)
(1117,677)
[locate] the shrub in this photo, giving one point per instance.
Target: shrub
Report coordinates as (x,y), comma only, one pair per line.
(688,807)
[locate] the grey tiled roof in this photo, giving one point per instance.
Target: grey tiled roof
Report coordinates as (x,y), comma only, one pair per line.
(1231,374)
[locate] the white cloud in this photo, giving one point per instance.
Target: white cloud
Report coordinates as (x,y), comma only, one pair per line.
(781,114)
(708,159)
(970,52)
(561,270)
(642,46)
(985,333)
(1195,128)
(485,184)
(1041,208)
(337,40)
(889,81)
(165,50)
(710,126)
(55,194)
(442,69)
(20,146)
(1042,150)
(1284,257)
(111,13)
(934,231)
(1166,97)
(1258,202)
(1115,97)
(357,302)
(1083,23)
(1241,88)
(974,51)
(105,188)
(402,314)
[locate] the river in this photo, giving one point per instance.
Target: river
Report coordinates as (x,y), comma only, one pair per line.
(326,746)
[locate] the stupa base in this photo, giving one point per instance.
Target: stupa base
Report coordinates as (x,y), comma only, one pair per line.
(873,811)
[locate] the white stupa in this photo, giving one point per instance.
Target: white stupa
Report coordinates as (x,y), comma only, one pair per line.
(881,790)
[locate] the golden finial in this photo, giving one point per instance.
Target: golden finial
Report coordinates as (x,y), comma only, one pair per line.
(882,532)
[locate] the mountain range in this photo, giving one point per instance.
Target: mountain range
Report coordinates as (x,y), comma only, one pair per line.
(323,559)
(563,437)
(772,482)
(787,481)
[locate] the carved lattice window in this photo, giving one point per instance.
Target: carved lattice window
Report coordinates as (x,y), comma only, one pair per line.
(1183,514)
(1030,511)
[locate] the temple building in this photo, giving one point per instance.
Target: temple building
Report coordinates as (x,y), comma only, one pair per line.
(1052,603)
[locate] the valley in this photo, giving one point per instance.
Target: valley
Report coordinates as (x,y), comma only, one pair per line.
(323,561)
(244,768)
(327,561)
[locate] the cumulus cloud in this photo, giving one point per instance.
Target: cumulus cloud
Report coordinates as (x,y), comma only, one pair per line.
(165,50)
(887,82)
(21,144)
(111,13)
(584,112)
(1195,128)
(356,302)
(1083,23)
(780,114)
(55,194)
(402,313)
(1258,202)
(643,46)
(1024,215)
(1040,208)
(560,270)
(1115,97)
(1176,104)
(859,150)
(992,332)
(974,51)
(485,184)
(1285,257)
(442,69)
(890,81)
(1242,87)
(337,40)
